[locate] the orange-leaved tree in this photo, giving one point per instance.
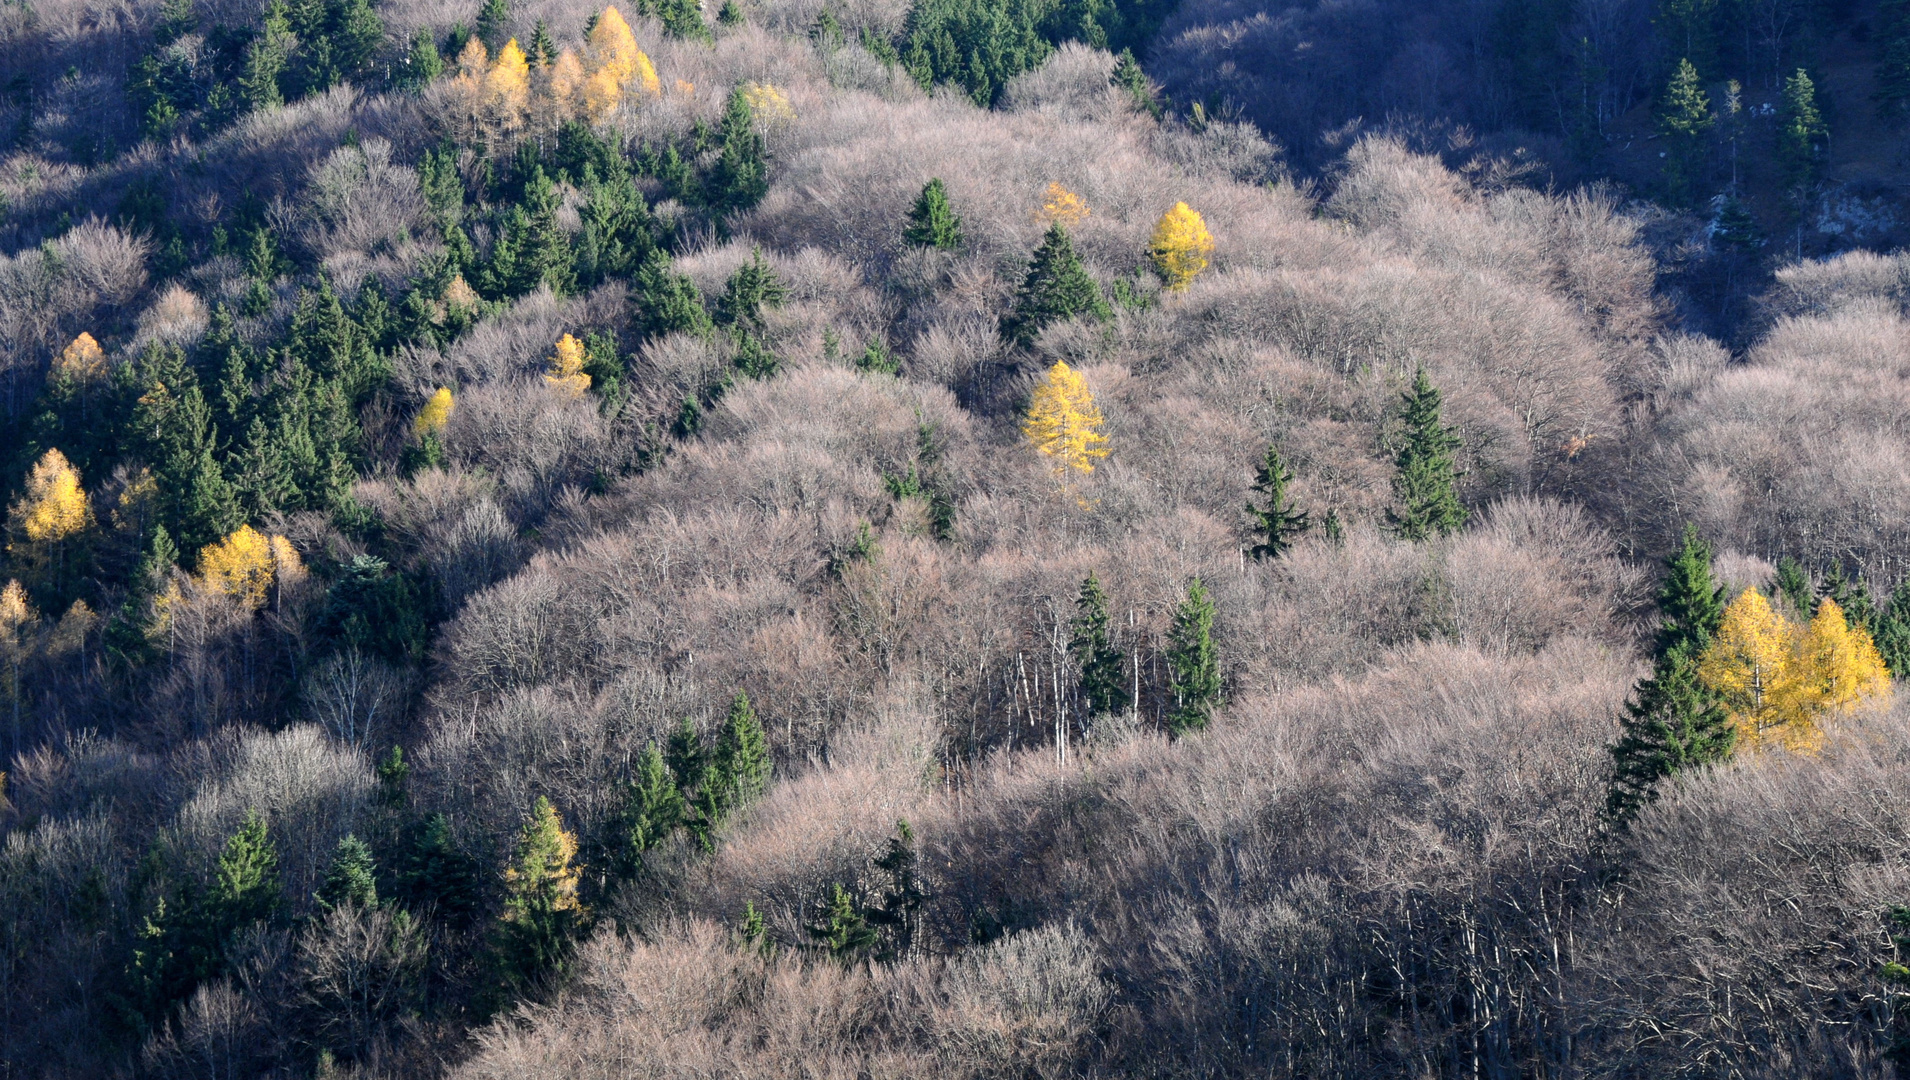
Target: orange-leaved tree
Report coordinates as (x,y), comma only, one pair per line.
(1180,246)
(1062,206)
(1064,422)
(566,375)
(1778,679)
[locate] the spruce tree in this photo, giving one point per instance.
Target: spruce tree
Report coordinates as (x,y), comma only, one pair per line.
(653,808)
(932,221)
(1794,584)
(245,882)
(1891,630)
(422,62)
(351,879)
(667,302)
(1129,77)
(899,911)
(1192,663)
(1057,287)
(1276,522)
(753,287)
(436,874)
(393,773)
(1673,722)
(1098,659)
(492,21)
(1801,132)
(618,230)
(172,425)
(684,18)
(266,59)
(739,764)
(1425,475)
(687,760)
(1684,119)
(841,929)
(740,177)
(541,915)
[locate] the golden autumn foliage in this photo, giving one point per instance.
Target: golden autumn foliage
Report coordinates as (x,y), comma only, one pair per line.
(566,374)
(247,565)
(614,66)
(82,362)
(543,869)
(1063,421)
(435,414)
(768,104)
(1777,679)
(1063,206)
(1180,246)
(507,85)
(53,508)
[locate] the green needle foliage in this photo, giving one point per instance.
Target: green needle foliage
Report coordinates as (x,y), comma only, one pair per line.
(932,221)
(739,765)
(841,930)
(1057,287)
(653,808)
(1425,475)
(740,177)
(1684,121)
(1276,522)
(1099,660)
(351,880)
(1801,132)
(1673,722)
(1192,662)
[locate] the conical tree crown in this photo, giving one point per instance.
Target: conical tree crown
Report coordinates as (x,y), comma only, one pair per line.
(932,221)
(1425,473)
(1057,287)
(1276,521)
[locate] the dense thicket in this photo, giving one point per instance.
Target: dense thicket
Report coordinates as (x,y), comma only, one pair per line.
(859,540)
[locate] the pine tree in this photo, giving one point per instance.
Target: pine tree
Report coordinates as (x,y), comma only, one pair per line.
(1424,472)
(436,874)
(351,879)
(1673,722)
(266,59)
(753,287)
(1180,246)
(493,20)
(1099,660)
(1801,132)
(1192,663)
(1063,422)
(739,765)
(841,929)
(422,63)
(1129,78)
(932,221)
(1684,119)
(653,808)
(667,302)
(541,914)
(245,883)
(740,177)
(1277,522)
(899,912)
(1057,287)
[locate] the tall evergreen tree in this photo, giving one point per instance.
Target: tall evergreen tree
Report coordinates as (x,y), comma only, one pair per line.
(1801,132)
(932,221)
(1276,522)
(841,929)
(350,880)
(1057,287)
(739,765)
(753,287)
(541,915)
(172,426)
(1193,665)
(687,760)
(245,883)
(740,177)
(493,20)
(1129,77)
(1425,475)
(653,808)
(1893,64)
(436,874)
(267,58)
(1673,723)
(898,913)
(618,230)
(1684,120)
(667,302)
(1099,660)
(684,18)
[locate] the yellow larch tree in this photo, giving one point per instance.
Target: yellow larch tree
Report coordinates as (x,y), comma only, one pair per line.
(1063,421)
(435,414)
(768,104)
(507,88)
(48,523)
(615,65)
(561,91)
(1778,680)
(1061,205)
(247,564)
(566,374)
(19,624)
(1180,246)
(467,87)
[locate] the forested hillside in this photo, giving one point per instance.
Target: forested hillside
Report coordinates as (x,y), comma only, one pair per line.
(974,538)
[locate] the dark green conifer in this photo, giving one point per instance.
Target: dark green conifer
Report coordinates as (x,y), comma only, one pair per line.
(393,773)
(667,302)
(1684,120)
(245,883)
(876,359)
(1736,229)
(1094,653)
(684,18)
(172,425)
(1801,132)
(1891,630)
(618,230)
(739,765)
(541,917)
(493,20)
(267,58)
(740,177)
(653,808)
(1893,66)
(932,221)
(1193,664)
(1425,475)
(687,760)
(351,879)
(1277,522)
(422,63)
(1794,585)
(753,287)
(1057,287)
(543,50)
(1129,77)
(840,928)
(1673,722)
(437,875)
(898,913)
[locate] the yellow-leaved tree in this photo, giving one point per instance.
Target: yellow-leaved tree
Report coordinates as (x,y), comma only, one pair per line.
(566,374)
(18,624)
(48,526)
(1063,206)
(614,65)
(507,88)
(1180,246)
(1778,679)
(247,564)
(435,414)
(768,105)
(1064,422)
